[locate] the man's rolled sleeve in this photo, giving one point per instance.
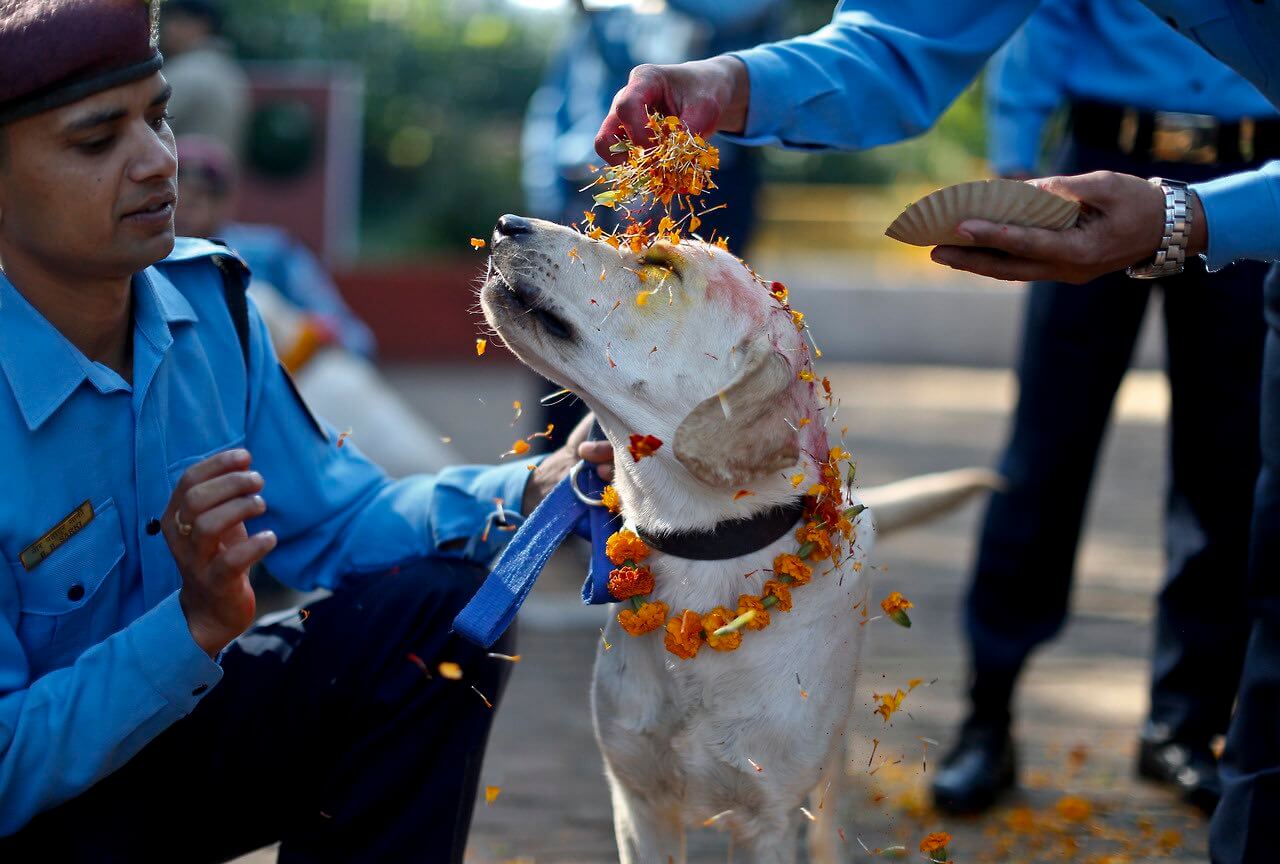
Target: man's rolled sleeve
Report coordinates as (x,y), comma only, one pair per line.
(169,657)
(777,93)
(1242,213)
(467,496)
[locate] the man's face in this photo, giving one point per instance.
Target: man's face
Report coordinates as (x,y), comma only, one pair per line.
(90,188)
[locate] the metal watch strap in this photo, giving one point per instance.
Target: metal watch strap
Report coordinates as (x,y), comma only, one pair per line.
(1171,257)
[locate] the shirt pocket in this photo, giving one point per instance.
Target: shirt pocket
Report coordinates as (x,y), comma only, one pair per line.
(56,593)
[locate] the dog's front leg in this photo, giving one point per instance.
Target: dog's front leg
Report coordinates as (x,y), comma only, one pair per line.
(646,834)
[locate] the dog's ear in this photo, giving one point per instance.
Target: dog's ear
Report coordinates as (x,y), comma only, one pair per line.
(740,434)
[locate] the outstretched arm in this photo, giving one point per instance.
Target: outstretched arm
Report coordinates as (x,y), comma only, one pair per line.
(874,75)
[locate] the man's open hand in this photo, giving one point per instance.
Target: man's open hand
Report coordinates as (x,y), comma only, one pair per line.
(554,468)
(1122,223)
(708,95)
(204,527)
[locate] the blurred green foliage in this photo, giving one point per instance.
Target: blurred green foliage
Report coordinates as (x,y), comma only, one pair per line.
(446,84)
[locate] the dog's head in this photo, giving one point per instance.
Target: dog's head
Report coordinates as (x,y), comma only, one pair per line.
(682,342)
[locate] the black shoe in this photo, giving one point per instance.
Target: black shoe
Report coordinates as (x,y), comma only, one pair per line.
(1190,771)
(977,770)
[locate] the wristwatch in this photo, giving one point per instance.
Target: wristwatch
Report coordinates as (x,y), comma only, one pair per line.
(1171,257)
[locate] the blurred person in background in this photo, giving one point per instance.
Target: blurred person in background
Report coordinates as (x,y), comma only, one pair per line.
(322,343)
(210,89)
(564,113)
(1140,100)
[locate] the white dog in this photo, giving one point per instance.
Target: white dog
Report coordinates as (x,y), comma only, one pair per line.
(686,344)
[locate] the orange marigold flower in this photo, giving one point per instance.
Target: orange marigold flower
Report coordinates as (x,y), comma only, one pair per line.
(520,448)
(797,318)
(643,445)
(1073,808)
(936,842)
(751,603)
(889,703)
(895,602)
(790,565)
(628,582)
(684,635)
(774,588)
(611,500)
(646,619)
(481,344)
(820,537)
(477,243)
(623,546)
(779,291)
(713,621)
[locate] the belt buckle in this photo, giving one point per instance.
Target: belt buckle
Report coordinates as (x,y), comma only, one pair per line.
(1179,137)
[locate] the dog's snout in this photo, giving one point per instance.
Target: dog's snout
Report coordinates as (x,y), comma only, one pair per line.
(509,225)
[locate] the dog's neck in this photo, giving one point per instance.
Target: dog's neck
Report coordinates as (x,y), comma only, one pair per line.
(661,497)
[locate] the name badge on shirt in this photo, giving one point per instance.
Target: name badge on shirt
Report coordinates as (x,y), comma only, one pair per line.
(66,528)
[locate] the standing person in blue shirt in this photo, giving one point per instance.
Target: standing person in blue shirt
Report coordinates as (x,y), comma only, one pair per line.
(1122,71)
(154,451)
(886,69)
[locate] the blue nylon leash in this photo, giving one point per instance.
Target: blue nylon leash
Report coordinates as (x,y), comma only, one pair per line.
(490,612)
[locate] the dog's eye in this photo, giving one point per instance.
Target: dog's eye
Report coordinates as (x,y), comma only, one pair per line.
(659,264)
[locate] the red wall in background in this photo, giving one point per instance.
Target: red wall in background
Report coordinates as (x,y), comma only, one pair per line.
(421,311)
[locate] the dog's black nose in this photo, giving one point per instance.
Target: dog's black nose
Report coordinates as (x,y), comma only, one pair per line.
(510,225)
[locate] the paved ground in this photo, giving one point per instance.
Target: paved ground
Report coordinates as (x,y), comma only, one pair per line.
(1083,699)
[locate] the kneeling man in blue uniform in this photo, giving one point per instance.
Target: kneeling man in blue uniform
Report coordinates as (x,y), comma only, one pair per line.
(154,451)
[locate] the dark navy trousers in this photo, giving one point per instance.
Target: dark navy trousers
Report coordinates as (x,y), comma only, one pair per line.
(324,734)
(1242,827)
(1076,346)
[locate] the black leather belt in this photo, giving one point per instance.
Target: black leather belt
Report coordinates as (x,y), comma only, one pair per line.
(1171,136)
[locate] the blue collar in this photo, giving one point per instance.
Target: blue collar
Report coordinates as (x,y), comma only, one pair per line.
(43,368)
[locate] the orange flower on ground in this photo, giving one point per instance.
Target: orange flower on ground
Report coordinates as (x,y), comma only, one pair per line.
(628,582)
(646,619)
(643,445)
(684,635)
(1073,808)
(713,621)
(611,500)
(819,536)
(623,546)
(774,588)
(889,703)
(751,603)
(896,606)
(935,845)
(793,566)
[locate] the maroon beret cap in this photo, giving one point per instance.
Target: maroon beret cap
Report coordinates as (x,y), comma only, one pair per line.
(55,52)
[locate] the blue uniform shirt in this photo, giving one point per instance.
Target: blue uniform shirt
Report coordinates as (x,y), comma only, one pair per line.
(883,70)
(275,257)
(1113,51)
(95,655)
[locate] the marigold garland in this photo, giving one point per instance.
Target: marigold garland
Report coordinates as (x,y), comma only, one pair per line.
(722,628)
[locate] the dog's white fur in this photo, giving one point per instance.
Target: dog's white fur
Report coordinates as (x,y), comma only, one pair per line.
(710,365)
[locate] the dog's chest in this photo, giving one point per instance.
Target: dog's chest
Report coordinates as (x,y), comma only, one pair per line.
(774,702)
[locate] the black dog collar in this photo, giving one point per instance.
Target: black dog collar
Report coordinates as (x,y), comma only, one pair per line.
(731,539)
